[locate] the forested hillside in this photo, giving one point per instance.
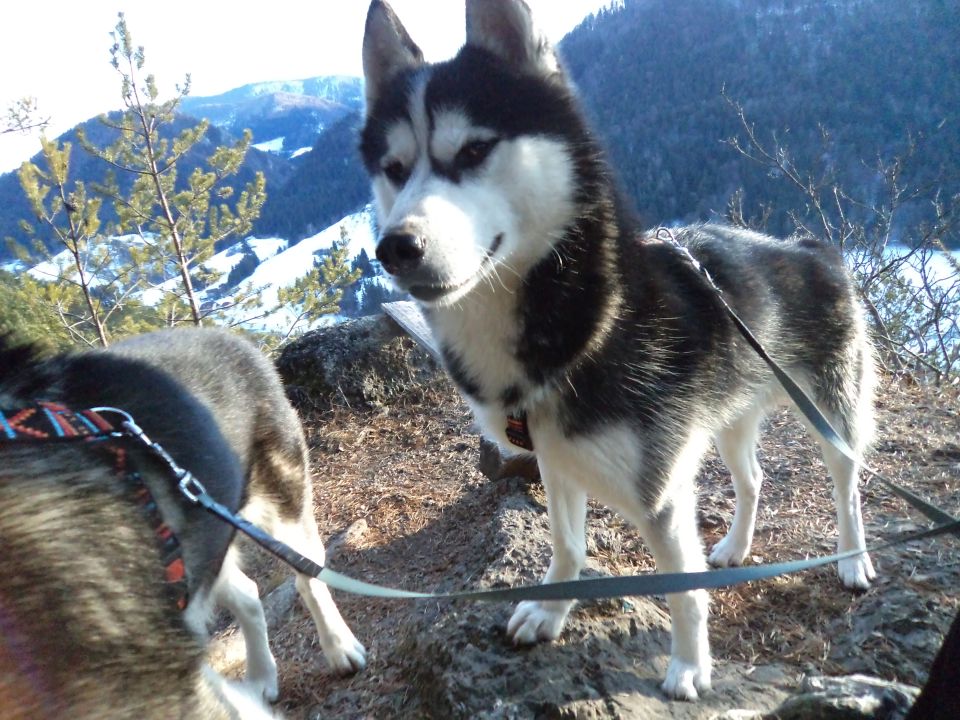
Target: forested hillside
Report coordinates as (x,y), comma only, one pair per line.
(840,84)
(328,183)
(873,74)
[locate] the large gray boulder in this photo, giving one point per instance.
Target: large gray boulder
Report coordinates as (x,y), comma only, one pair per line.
(363,363)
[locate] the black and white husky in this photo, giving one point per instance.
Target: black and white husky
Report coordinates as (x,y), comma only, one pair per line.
(497,213)
(87,627)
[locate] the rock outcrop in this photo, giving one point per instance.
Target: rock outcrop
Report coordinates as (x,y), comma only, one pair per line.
(363,363)
(455,657)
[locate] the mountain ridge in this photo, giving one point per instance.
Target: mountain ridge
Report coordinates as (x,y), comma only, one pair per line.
(841,85)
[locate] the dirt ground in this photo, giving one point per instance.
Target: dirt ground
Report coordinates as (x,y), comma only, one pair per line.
(409,474)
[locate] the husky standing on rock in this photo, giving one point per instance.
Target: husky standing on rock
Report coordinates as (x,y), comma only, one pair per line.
(88,627)
(569,333)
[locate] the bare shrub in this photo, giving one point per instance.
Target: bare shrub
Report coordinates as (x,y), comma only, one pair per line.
(907,278)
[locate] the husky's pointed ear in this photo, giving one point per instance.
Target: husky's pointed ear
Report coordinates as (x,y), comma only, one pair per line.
(387,49)
(506,28)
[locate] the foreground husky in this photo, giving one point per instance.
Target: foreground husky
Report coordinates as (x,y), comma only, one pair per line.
(87,626)
(607,350)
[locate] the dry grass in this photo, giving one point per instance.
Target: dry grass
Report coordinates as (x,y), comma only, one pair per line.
(410,473)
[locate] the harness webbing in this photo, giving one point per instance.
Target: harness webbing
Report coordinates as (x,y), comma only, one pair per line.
(47,421)
(51,421)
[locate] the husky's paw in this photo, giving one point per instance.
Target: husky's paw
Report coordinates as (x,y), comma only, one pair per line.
(534,621)
(856,572)
(344,653)
(685,681)
(240,699)
(261,678)
(266,689)
(728,553)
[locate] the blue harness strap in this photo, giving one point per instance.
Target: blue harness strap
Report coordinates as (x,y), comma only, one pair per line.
(53,422)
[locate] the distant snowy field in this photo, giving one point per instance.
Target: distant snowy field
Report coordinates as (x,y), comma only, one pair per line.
(284,268)
(279,267)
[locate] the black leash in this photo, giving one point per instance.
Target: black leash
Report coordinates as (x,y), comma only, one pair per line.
(91,425)
(591,588)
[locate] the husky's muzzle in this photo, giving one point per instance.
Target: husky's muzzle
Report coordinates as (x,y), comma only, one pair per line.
(405,256)
(400,253)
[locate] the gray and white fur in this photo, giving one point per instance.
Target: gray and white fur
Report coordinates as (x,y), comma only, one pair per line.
(497,212)
(87,625)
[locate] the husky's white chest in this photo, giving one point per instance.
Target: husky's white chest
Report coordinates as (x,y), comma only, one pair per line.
(478,341)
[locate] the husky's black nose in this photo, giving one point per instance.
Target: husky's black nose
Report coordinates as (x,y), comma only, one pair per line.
(400,252)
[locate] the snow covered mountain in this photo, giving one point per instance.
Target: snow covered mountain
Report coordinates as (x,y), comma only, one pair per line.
(276,265)
(284,116)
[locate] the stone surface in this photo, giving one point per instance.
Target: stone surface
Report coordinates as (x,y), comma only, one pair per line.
(608,663)
(854,697)
(454,661)
(362,363)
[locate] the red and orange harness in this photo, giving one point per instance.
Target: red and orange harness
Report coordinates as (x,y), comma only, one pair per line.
(52,422)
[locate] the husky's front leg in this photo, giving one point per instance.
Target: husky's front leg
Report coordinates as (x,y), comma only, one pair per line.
(535,620)
(675,542)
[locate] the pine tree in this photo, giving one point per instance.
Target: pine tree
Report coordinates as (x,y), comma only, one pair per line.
(82,290)
(375,295)
(22,117)
(25,316)
(362,263)
(181,221)
(320,291)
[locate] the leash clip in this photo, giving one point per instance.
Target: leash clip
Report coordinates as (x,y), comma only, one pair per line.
(666,235)
(191,488)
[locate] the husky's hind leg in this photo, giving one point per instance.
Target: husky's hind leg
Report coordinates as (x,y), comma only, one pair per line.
(343,651)
(847,400)
(238,594)
(855,572)
(737,446)
(282,502)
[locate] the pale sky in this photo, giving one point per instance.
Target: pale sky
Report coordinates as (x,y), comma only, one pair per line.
(57,51)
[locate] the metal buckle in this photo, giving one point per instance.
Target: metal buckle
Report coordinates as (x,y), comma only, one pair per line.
(191,488)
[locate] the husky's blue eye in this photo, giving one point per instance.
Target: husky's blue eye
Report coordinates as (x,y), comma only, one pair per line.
(396,172)
(473,154)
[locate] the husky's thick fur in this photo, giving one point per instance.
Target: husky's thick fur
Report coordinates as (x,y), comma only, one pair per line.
(497,213)
(87,628)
